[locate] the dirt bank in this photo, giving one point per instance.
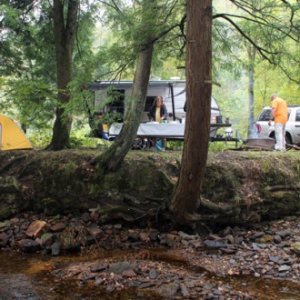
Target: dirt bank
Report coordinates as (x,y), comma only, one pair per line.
(239,187)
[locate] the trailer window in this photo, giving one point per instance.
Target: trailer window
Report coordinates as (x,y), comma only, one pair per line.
(116,101)
(149,103)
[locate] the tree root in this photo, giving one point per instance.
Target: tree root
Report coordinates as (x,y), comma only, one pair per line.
(220,207)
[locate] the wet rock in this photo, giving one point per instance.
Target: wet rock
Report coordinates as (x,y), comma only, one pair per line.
(227,230)
(128,273)
(144,237)
(277,239)
(29,246)
(195,243)
(186,236)
(95,231)
(152,274)
(257,235)
(57,227)
(120,267)
(68,242)
(169,239)
(14,221)
(46,239)
(36,229)
(168,290)
(230,238)
(284,268)
(118,226)
(110,288)
(214,244)
(94,214)
(98,268)
(230,250)
(153,235)
(55,249)
(265,239)
(256,247)
(4,225)
(275,259)
(133,236)
(295,247)
(184,291)
(86,217)
(214,237)
(3,239)
(283,234)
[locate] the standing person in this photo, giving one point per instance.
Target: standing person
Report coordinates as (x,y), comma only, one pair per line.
(280,117)
(158,113)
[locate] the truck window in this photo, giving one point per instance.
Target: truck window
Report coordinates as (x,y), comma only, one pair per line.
(298,115)
(265,115)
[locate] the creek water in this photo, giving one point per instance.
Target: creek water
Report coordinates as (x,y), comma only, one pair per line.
(29,277)
(24,276)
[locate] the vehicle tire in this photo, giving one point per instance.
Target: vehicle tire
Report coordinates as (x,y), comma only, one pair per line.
(288,139)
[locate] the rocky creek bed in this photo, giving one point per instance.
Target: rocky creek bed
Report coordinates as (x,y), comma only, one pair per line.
(261,261)
(124,243)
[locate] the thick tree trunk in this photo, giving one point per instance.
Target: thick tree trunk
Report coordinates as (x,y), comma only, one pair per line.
(113,157)
(64,35)
(198,72)
(251,81)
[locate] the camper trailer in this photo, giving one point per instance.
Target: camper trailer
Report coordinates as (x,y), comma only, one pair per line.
(110,96)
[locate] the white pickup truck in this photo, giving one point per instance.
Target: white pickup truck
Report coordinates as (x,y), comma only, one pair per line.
(292,126)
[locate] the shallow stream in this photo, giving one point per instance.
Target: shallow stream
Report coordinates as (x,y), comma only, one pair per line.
(29,277)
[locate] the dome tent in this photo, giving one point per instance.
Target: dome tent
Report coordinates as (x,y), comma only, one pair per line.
(11,135)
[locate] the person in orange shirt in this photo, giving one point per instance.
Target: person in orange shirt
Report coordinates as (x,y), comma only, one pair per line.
(280,117)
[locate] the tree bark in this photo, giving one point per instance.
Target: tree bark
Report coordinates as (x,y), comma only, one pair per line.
(113,157)
(198,73)
(251,72)
(64,36)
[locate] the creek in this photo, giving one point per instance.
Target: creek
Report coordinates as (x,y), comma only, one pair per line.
(24,276)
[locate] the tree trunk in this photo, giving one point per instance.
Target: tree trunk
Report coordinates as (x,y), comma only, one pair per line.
(251,121)
(198,72)
(64,36)
(113,157)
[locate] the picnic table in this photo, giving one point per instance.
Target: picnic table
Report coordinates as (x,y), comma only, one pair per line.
(169,130)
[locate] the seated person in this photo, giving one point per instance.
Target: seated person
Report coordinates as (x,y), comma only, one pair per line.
(158,112)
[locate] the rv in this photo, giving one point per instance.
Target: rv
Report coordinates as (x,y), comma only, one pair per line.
(110,97)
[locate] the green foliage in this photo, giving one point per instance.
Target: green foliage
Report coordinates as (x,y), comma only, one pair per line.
(34,101)
(39,139)
(79,139)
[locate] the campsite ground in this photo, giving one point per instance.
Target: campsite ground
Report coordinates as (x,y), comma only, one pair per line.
(82,254)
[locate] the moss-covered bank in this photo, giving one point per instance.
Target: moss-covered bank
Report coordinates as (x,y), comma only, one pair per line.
(239,186)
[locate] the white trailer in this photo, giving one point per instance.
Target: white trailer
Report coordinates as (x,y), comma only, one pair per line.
(172,91)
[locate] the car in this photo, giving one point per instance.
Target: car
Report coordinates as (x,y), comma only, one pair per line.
(292,126)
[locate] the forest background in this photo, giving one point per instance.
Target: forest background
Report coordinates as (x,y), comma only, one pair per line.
(104,52)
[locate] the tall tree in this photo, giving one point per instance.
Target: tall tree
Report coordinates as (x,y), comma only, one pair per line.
(152,26)
(199,85)
(65,19)
(251,80)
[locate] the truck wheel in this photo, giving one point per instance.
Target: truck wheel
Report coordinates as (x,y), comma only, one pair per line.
(288,139)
